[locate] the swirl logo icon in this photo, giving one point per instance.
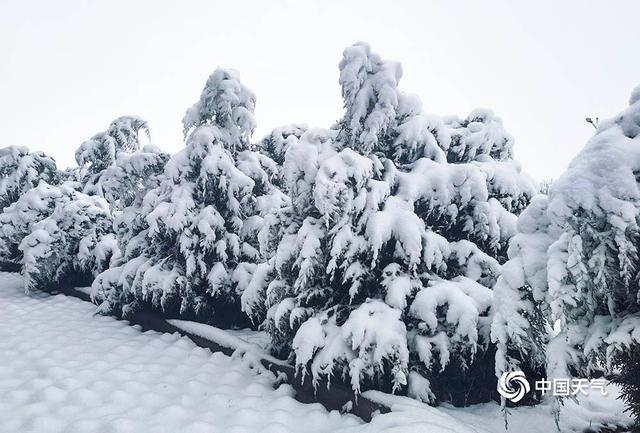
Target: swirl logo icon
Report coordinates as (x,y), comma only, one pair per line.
(513,385)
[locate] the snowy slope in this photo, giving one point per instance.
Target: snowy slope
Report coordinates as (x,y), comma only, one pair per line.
(62,369)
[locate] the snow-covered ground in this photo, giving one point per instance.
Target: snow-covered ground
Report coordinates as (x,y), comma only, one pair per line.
(63,369)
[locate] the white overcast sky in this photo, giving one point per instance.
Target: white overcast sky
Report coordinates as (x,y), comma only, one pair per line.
(67,68)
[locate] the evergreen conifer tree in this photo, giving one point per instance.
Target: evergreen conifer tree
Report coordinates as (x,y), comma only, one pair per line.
(21,170)
(186,250)
(387,256)
(574,264)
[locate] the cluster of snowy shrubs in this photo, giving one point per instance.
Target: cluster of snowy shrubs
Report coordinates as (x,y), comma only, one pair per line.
(59,225)
(386,250)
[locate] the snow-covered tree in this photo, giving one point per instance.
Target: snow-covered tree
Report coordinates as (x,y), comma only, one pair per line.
(228,104)
(276,143)
(112,165)
(520,318)
(72,245)
(187,250)
(21,171)
(386,257)
(131,176)
(58,235)
(100,151)
(481,133)
(17,220)
(574,264)
(629,379)
(103,150)
(380,119)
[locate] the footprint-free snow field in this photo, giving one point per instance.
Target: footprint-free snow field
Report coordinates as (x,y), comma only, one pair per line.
(64,369)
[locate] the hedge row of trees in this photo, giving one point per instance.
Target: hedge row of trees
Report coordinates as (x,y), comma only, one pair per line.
(396,249)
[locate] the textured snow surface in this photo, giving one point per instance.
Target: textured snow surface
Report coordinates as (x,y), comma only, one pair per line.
(63,369)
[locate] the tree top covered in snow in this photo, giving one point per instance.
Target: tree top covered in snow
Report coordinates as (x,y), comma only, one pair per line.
(227,103)
(100,151)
